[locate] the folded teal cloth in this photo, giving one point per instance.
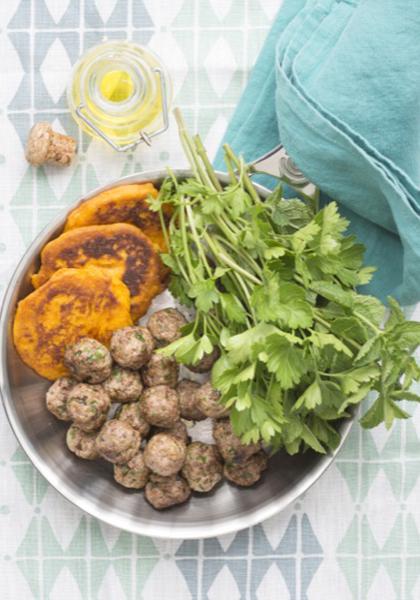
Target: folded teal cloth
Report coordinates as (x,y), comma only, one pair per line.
(338,83)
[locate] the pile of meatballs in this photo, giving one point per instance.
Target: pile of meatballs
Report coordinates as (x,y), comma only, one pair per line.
(145,435)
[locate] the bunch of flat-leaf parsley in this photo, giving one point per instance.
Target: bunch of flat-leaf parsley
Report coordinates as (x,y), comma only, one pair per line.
(273,284)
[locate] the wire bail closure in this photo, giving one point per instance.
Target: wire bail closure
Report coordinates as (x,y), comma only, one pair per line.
(143,135)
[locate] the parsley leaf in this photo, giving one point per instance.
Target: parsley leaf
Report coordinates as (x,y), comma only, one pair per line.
(370,351)
(234,310)
(288,215)
(282,302)
(245,346)
(204,293)
(285,360)
(310,398)
(333,292)
(321,340)
(331,226)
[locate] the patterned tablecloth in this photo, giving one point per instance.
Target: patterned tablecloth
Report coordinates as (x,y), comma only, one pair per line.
(356,534)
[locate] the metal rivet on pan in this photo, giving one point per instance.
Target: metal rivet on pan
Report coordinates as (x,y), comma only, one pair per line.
(288,169)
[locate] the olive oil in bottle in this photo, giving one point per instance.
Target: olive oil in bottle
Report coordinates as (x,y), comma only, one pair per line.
(120,91)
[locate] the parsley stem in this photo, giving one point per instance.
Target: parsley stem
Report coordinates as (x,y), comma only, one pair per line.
(174,255)
(185,240)
(244,175)
(230,169)
(224,258)
(164,229)
(242,295)
(201,151)
(242,284)
(368,323)
(245,257)
(215,329)
(198,244)
(188,146)
(213,316)
(315,200)
(322,321)
(231,263)
(336,375)
(227,230)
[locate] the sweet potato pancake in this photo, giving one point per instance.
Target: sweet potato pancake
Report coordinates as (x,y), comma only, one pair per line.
(122,204)
(121,249)
(74,303)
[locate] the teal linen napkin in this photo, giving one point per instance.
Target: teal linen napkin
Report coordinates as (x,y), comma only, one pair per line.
(338,84)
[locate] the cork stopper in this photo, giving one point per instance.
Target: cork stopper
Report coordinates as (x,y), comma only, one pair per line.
(47,146)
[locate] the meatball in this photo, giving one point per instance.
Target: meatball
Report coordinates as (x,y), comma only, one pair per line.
(88,405)
(229,445)
(131,347)
(88,360)
(205,364)
(165,325)
(133,474)
(207,399)
(82,443)
(117,441)
(203,466)
(57,395)
(187,390)
(178,430)
(165,454)
(160,370)
(123,385)
(248,472)
(131,413)
(159,406)
(164,492)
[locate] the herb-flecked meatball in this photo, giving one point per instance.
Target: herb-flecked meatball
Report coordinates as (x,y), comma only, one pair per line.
(131,347)
(57,396)
(159,406)
(203,466)
(165,454)
(131,413)
(248,472)
(82,443)
(160,370)
(123,385)
(178,430)
(117,441)
(133,474)
(230,445)
(88,360)
(205,364)
(88,405)
(207,399)
(165,325)
(187,394)
(164,492)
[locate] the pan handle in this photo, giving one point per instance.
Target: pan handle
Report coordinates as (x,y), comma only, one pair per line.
(279,164)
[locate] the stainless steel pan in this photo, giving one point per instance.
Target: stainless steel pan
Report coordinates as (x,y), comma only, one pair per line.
(90,486)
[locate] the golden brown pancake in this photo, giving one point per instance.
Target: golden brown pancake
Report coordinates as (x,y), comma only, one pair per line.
(121,249)
(73,304)
(121,204)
